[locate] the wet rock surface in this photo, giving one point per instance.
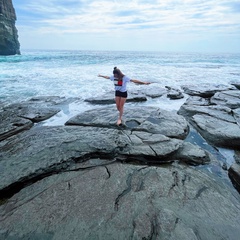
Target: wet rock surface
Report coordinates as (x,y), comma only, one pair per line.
(109,98)
(18,117)
(174,93)
(234,174)
(151,119)
(205,91)
(229,99)
(122,201)
(217,119)
(93,179)
(218,124)
(43,150)
(11,124)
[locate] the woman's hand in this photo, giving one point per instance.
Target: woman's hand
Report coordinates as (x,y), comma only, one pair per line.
(107,77)
(139,82)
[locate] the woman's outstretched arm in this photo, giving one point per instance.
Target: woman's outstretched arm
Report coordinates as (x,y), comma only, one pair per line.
(139,82)
(107,77)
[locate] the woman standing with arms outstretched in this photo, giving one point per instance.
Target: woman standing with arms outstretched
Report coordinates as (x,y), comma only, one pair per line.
(120,82)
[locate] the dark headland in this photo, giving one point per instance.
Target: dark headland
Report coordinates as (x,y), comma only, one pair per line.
(9,44)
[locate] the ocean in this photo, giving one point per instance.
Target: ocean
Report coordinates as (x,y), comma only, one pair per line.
(73,74)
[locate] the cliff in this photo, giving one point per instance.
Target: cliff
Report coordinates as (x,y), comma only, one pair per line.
(9,44)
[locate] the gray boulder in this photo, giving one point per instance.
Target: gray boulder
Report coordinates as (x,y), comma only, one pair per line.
(18,117)
(229,99)
(218,124)
(174,93)
(30,111)
(205,91)
(197,101)
(154,91)
(218,132)
(219,112)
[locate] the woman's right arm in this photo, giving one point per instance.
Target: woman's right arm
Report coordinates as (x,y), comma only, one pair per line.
(107,77)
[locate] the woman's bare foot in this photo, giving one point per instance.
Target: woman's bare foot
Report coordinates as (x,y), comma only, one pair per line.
(119,122)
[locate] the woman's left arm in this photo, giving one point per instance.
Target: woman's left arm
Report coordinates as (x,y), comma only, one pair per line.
(139,82)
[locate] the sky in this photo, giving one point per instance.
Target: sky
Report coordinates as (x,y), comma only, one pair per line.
(129,25)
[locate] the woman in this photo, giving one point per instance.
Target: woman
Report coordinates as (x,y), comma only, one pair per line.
(120,83)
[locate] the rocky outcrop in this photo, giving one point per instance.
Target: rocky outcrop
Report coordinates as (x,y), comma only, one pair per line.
(91,179)
(122,201)
(174,93)
(9,44)
(236,84)
(205,90)
(217,119)
(139,96)
(44,150)
(229,99)
(110,99)
(151,119)
(18,117)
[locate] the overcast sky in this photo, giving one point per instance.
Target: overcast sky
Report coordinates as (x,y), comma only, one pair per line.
(164,25)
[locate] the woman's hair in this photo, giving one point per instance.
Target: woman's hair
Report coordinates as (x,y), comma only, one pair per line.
(118,72)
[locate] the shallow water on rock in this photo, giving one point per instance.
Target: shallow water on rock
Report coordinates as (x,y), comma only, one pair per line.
(223,156)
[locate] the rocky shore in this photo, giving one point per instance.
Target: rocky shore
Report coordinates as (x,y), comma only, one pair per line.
(89,179)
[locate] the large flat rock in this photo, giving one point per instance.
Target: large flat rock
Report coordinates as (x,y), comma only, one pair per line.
(121,201)
(91,179)
(219,112)
(150,119)
(218,132)
(44,150)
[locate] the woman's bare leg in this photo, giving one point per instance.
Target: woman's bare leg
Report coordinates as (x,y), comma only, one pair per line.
(120,101)
(117,100)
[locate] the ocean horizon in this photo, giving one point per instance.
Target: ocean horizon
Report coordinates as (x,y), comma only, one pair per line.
(72,73)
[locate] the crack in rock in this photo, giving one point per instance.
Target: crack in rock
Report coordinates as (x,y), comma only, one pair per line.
(126,191)
(200,191)
(129,182)
(16,187)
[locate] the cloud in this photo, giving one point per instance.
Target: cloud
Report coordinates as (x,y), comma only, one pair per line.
(130,18)
(109,15)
